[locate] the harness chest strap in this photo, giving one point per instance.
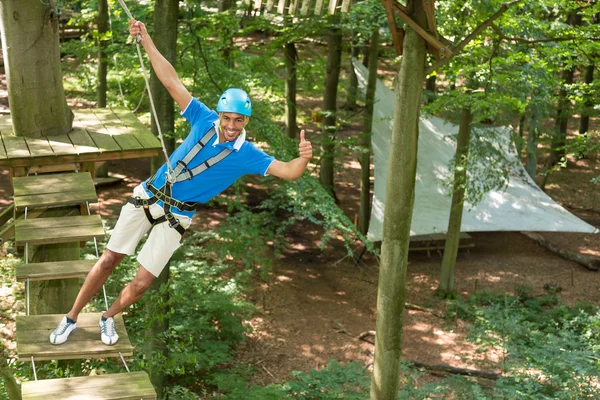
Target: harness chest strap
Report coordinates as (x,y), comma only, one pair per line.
(180,173)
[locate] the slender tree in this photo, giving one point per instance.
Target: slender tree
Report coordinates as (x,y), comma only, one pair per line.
(364,212)
(446,286)
(290,57)
(165,39)
(400,193)
(103,30)
(329,128)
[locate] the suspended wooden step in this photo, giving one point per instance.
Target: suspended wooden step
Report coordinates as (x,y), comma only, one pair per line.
(33,338)
(58,230)
(54,190)
(54,270)
(131,385)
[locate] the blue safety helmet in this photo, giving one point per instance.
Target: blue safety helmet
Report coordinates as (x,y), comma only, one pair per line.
(235,101)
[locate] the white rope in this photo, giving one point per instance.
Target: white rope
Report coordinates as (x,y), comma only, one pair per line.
(124,363)
(34,371)
(139,51)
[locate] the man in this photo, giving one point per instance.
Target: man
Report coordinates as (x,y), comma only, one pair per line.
(213,156)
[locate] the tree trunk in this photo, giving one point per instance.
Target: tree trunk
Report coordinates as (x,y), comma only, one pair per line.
(165,39)
(430,87)
(400,191)
(10,383)
(103,29)
(38,108)
(291,65)
(156,345)
(584,123)
(334,56)
(54,296)
(532,143)
(353,85)
(30,44)
(559,137)
(226,5)
(165,26)
(446,286)
(364,213)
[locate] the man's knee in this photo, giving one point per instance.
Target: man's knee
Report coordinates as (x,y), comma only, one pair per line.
(110,260)
(141,284)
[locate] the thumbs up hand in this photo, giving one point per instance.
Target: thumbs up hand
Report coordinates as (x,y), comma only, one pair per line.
(304,148)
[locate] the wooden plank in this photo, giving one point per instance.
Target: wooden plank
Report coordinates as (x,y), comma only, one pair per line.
(123,386)
(54,270)
(149,141)
(294,6)
(3,154)
(39,146)
(54,183)
(82,141)
(319,7)
(270,5)
(127,142)
(103,141)
(332,6)
(84,158)
(59,230)
(74,197)
(15,147)
(282,6)
(33,333)
(429,6)
(61,145)
(305,7)
(346,5)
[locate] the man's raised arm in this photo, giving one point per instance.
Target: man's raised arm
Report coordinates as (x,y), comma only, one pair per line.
(162,67)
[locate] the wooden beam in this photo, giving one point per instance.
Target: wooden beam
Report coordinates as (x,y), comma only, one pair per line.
(282,6)
(389,10)
(319,7)
(430,11)
(346,5)
(444,52)
(305,7)
(332,6)
(270,5)
(7,213)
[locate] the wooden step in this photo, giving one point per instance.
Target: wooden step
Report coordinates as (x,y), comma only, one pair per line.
(130,385)
(33,334)
(59,230)
(54,270)
(43,191)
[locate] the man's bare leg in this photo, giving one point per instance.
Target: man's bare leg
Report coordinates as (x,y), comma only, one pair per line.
(131,293)
(94,280)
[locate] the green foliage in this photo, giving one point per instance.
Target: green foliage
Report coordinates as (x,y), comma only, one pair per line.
(550,347)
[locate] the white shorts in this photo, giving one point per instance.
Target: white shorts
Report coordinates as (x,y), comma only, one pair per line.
(133,224)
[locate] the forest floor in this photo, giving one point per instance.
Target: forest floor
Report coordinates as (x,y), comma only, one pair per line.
(316,301)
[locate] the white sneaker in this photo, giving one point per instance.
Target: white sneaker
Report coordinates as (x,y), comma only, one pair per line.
(62,331)
(108,333)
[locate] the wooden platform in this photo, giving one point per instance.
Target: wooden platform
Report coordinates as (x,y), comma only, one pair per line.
(33,338)
(59,230)
(53,190)
(54,270)
(437,242)
(132,385)
(98,135)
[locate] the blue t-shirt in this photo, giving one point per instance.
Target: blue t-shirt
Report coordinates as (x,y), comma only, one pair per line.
(244,159)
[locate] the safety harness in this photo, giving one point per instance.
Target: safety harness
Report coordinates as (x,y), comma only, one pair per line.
(179,174)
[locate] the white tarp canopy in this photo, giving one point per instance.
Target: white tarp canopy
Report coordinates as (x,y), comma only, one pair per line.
(521,206)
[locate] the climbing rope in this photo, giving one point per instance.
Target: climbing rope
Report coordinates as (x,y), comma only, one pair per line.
(160,136)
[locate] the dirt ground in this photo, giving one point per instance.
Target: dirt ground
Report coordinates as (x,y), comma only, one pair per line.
(317,302)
